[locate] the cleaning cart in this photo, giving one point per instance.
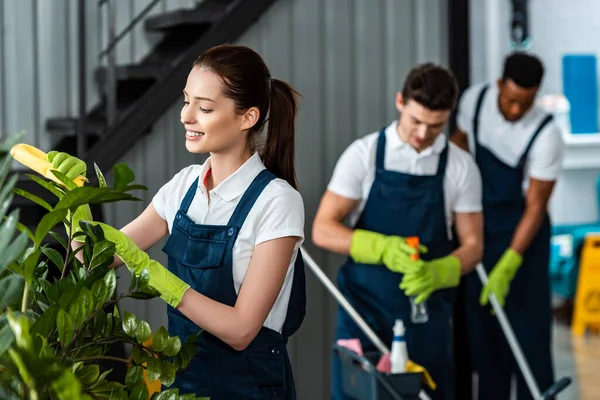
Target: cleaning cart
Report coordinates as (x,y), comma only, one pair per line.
(360,377)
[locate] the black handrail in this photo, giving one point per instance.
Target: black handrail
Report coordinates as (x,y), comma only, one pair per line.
(128,28)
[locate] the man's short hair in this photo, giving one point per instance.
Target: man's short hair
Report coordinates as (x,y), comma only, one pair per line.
(431,85)
(524,69)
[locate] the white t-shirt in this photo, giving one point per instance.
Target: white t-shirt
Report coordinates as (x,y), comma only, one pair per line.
(354,172)
(508,140)
(278,212)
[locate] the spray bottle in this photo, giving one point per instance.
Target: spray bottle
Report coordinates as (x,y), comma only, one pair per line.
(419,314)
(399,355)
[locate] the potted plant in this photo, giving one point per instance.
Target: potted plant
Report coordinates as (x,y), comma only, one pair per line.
(59,316)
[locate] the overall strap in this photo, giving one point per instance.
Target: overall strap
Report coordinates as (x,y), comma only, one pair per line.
(539,129)
(443,160)
(380,155)
(249,198)
(478,112)
(189,196)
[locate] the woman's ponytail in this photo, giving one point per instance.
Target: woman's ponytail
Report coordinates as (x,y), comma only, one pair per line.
(279,147)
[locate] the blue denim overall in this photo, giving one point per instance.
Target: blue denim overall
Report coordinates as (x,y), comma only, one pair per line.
(528,304)
(405,205)
(201,255)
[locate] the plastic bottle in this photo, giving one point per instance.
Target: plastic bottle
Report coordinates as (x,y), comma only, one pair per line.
(419,314)
(399,355)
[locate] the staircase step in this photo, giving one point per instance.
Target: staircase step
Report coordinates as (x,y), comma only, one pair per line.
(132,72)
(206,13)
(67,126)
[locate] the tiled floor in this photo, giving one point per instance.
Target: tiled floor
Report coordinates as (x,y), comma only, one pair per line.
(579,358)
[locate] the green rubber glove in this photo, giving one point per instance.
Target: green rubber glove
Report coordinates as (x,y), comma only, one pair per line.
(436,274)
(72,167)
(502,274)
(375,248)
(168,285)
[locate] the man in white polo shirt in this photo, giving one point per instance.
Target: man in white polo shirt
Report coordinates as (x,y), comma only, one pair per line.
(405,180)
(518,149)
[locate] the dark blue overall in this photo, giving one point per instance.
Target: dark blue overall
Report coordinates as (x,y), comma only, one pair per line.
(201,255)
(404,205)
(528,305)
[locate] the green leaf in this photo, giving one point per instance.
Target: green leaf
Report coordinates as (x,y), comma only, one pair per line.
(65,327)
(116,318)
(123,176)
(64,179)
(32,197)
(30,263)
(160,339)
(67,386)
(91,195)
(88,374)
(11,290)
(173,346)
(167,373)
(6,335)
(59,239)
(169,394)
(134,187)
(46,323)
(50,186)
(54,256)
(109,325)
(191,396)
(144,295)
(9,141)
(129,323)
(13,251)
(24,373)
(107,390)
(100,294)
(134,376)
(82,308)
(135,280)
(20,327)
(7,229)
(153,369)
(53,293)
(47,223)
(139,355)
(23,229)
(8,187)
(110,279)
(5,206)
(100,175)
(99,323)
(142,331)
(103,254)
(139,392)
(144,278)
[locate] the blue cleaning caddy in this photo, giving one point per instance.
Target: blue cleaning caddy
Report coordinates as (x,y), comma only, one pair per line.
(362,381)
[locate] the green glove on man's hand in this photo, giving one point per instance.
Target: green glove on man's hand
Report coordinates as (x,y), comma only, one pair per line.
(168,285)
(375,248)
(502,274)
(436,274)
(72,167)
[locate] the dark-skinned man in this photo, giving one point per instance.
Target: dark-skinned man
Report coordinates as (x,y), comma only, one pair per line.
(519,150)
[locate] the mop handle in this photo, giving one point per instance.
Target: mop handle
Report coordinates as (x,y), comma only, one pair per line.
(344,303)
(349,309)
(510,337)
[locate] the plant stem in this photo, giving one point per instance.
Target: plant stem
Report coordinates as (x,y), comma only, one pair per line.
(69,233)
(93,358)
(25,298)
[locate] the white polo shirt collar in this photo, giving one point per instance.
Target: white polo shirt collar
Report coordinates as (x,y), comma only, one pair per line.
(393,142)
(237,183)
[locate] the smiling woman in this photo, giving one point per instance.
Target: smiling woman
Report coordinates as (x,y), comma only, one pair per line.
(237,218)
